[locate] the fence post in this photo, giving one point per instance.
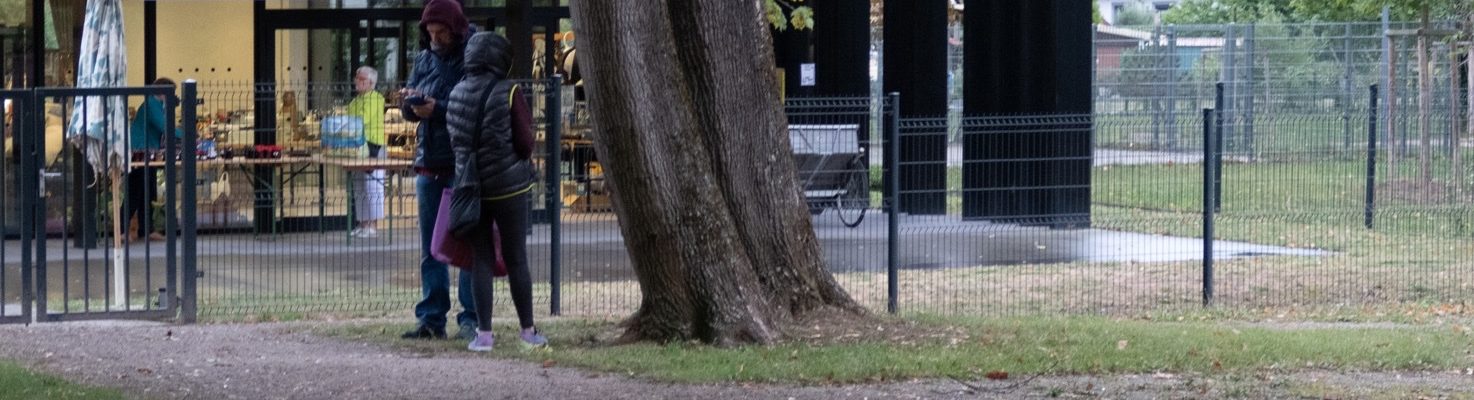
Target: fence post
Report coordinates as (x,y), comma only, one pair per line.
(35,149)
(168,294)
(1228,81)
(1346,87)
(1172,82)
(1155,103)
(1208,206)
(553,195)
(28,181)
(1216,156)
(1371,187)
(189,298)
(1246,130)
(892,193)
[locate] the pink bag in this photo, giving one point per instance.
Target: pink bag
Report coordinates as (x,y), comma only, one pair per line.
(446,248)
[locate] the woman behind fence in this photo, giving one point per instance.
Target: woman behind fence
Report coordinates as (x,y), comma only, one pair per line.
(487,115)
(369,193)
(146,135)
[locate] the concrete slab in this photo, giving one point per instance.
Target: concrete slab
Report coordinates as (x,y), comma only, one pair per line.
(593,250)
(1104,157)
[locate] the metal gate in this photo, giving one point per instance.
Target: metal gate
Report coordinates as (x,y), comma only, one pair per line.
(76,233)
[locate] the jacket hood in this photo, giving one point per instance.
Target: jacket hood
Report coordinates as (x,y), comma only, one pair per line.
(488,52)
(447,12)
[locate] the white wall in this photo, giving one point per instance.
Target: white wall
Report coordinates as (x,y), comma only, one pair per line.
(205,40)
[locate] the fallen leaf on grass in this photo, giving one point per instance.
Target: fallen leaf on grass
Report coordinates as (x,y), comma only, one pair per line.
(996,375)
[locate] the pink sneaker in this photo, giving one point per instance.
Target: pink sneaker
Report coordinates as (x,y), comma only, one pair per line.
(533,339)
(483,341)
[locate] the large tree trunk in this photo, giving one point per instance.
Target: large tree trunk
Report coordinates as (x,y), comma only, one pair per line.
(694,143)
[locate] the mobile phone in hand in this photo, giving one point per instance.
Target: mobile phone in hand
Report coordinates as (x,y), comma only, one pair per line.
(416,100)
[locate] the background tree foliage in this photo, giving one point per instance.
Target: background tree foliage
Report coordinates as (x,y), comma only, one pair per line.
(13,12)
(1190,12)
(1295,59)
(1195,12)
(1370,10)
(1136,13)
(798,16)
(1142,72)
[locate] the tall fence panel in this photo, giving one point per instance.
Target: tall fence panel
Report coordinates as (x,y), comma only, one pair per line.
(1131,255)
(285,205)
(1377,230)
(286,234)
(1361,202)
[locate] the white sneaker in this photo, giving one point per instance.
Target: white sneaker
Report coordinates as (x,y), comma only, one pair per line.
(365,233)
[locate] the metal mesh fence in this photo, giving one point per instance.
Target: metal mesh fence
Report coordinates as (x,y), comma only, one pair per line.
(1375,195)
(278,234)
(1290,223)
(1388,218)
(1309,193)
(1012,242)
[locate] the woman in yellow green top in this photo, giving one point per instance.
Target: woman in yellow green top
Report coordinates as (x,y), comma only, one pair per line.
(368,105)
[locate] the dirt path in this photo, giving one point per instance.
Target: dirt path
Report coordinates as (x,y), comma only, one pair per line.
(276,361)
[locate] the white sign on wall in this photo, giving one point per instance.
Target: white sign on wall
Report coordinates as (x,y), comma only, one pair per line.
(806,74)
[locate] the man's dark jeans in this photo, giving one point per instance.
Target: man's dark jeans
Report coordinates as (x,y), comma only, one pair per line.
(435,275)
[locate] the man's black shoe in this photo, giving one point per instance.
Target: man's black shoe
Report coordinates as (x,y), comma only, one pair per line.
(424,332)
(467,332)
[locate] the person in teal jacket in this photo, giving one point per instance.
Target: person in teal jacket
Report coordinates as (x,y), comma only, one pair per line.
(146,135)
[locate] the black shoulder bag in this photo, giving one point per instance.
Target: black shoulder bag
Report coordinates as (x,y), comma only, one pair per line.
(465,198)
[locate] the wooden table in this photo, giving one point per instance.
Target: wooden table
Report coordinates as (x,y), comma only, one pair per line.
(294,166)
(365,165)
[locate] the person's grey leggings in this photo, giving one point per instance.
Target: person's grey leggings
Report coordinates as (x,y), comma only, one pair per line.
(510,216)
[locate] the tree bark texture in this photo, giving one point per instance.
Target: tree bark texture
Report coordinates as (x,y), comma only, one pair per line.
(690,131)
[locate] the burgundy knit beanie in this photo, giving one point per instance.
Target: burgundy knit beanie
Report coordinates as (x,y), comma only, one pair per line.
(447,12)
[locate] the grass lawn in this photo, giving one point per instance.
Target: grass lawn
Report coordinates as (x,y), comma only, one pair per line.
(20,383)
(968,349)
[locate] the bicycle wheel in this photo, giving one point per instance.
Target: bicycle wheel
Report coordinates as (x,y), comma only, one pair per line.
(851,205)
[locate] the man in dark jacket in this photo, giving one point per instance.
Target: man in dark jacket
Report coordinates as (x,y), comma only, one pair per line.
(444,31)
